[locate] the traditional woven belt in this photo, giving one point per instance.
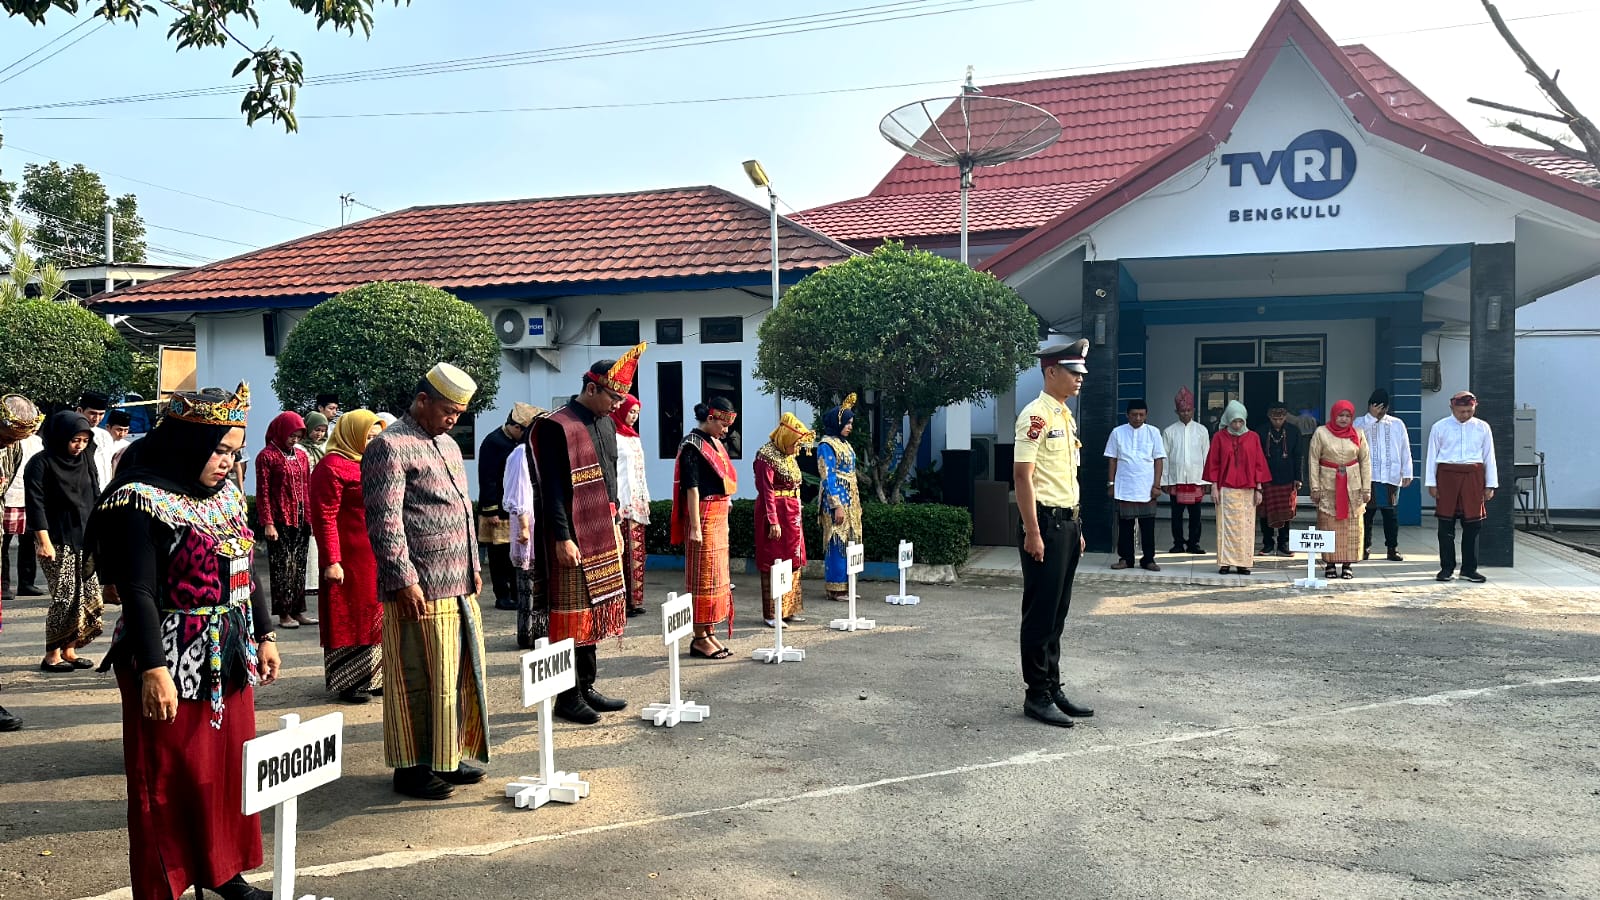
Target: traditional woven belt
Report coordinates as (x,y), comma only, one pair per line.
(795,493)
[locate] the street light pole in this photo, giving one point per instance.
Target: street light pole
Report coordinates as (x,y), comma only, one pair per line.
(758,177)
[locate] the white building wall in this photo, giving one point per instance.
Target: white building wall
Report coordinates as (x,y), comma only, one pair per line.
(230,349)
(1558,345)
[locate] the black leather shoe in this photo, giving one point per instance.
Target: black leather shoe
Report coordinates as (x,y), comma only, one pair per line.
(1394,556)
(1070,708)
(354,696)
(463,774)
(421,783)
(1474,577)
(1195,549)
(1444,575)
(600,702)
(570,706)
(81,662)
(8,722)
(62,666)
(507,605)
(29,590)
(1176,548)
(1045,711)
(634,611)
(236,889)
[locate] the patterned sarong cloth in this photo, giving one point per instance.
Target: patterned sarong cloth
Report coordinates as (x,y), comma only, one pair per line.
(705,566)
(493,530)
(358,668)
(435,707)
(16,520)
(1187,494)
(633,559)
(1461,491)
(75,616)
(1341,490)
(792,604)
(1236,527)
(533,612)
(570,611)
(1347,536)
(1278,504)
(1127,509)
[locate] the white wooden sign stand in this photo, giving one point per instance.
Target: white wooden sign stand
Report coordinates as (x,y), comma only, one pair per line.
(1312,542)
(782,580)
(855,557)
(903,598)
(547,670)
(677,623)
(281,766)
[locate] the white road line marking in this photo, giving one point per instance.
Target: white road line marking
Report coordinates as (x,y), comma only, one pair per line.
(404,858)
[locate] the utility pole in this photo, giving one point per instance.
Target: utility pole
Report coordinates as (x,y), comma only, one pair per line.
(110,224)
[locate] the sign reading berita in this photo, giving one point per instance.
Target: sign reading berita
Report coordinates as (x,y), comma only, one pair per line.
(288,763)
(1315,166)
(547,671)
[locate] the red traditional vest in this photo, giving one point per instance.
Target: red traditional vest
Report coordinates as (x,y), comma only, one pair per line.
(715,454)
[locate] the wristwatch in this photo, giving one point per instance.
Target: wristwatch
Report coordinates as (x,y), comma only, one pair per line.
(270,637)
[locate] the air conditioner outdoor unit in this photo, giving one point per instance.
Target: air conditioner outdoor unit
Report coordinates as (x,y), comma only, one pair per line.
(524,327)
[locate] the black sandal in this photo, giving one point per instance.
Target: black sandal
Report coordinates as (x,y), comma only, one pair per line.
(1222,571)
(1345,573)
(719,653)
(1330,572)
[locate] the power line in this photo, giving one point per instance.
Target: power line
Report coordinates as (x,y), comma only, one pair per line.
(847,18)
(84,231)
(174,190)
(47,45)
(44,59)
(741,98)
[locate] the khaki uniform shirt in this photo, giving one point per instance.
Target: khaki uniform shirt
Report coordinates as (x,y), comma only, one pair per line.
(1048,437)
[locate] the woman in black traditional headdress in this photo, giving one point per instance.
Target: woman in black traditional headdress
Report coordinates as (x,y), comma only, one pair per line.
(60,484)
(194,638)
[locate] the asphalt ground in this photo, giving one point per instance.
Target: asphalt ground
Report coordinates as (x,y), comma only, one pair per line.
(1248,742)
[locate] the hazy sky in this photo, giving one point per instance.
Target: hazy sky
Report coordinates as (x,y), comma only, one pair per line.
(818,148)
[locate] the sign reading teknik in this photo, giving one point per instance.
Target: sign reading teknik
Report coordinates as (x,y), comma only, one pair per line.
(1315,166)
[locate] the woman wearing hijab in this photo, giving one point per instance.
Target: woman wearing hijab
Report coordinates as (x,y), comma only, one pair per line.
(315,437)
(1237,468)
(283,476)
(170,534)
(60,485)
(777,515)
(633,493)
(352,616)
(1341,485)
(839,498)
(703,485)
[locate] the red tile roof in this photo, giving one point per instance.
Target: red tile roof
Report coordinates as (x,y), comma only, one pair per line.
(561,241)
(1556,162)
(1111,122)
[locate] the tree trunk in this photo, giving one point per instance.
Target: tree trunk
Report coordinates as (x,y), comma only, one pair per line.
(1583,129)
(908,460)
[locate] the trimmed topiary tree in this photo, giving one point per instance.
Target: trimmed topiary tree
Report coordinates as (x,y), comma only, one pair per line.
(52,349)
(921,330)
(370,344)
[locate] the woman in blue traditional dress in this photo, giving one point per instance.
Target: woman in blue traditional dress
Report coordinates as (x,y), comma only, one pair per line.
(840,500)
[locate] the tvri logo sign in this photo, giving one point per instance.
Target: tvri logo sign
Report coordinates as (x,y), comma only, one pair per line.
(1315,166)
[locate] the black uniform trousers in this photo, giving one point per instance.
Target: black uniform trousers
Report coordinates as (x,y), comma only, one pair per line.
(1469,545)
(1179,510)
(1391,521)
(1147,539)
(1046,594)
(27,567)
(502,575)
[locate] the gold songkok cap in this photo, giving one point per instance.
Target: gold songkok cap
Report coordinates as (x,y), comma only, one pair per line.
(18,417)
(452,383)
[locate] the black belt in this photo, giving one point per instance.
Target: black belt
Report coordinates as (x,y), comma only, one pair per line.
(1061,513)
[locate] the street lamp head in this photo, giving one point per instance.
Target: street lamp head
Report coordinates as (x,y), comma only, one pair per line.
(758,175)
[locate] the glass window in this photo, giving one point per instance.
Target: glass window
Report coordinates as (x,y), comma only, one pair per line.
(721,329)
(1228,353)
(1216,389)
(670,427)
(1295,352)
(619,332)
(669,331)
(722,379)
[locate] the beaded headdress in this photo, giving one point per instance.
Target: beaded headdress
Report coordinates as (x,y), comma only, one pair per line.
(208,409)
(18,417)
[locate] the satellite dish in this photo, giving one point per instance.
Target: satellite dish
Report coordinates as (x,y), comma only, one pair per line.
(968,131)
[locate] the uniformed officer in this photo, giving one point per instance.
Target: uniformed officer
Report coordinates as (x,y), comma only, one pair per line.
(1046,471)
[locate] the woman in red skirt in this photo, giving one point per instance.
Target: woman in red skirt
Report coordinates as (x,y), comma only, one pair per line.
(194,638)
(347,597)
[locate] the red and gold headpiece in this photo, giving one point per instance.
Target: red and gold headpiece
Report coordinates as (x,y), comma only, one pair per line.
(620,378)
(206,409)
(18,417)
(725,416)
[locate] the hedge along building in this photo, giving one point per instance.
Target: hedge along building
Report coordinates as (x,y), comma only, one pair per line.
(580,279)
(1299,223)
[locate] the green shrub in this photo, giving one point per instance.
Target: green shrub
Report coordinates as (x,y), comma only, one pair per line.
(51,351)
(942,534)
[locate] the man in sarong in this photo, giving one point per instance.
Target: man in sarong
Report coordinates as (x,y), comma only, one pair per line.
(1137,454)
(419,518)
(494,523)
(579,546)
(19,419)
(1280,441)
(1390,447)
(1462,478)
(1187,443)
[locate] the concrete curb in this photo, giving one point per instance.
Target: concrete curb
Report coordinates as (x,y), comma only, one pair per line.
(875,571)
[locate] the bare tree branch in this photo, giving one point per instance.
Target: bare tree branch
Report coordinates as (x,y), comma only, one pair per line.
(1545,139)
(1583,129)
(1549,117)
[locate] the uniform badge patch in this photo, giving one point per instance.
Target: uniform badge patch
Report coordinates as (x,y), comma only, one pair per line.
(1035,427)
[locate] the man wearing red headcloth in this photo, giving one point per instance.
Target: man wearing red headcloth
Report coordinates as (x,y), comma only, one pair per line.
(581,586)
(1462,477)
(1187,443)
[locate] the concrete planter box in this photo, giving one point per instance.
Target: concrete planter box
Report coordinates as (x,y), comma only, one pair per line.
(875,571)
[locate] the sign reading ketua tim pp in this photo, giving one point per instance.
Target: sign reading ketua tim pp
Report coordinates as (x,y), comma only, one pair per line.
(1314,167)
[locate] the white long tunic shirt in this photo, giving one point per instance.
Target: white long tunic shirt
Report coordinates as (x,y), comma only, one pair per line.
(1136,451)
(1472,441)
(1390,448)
(1187,446)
